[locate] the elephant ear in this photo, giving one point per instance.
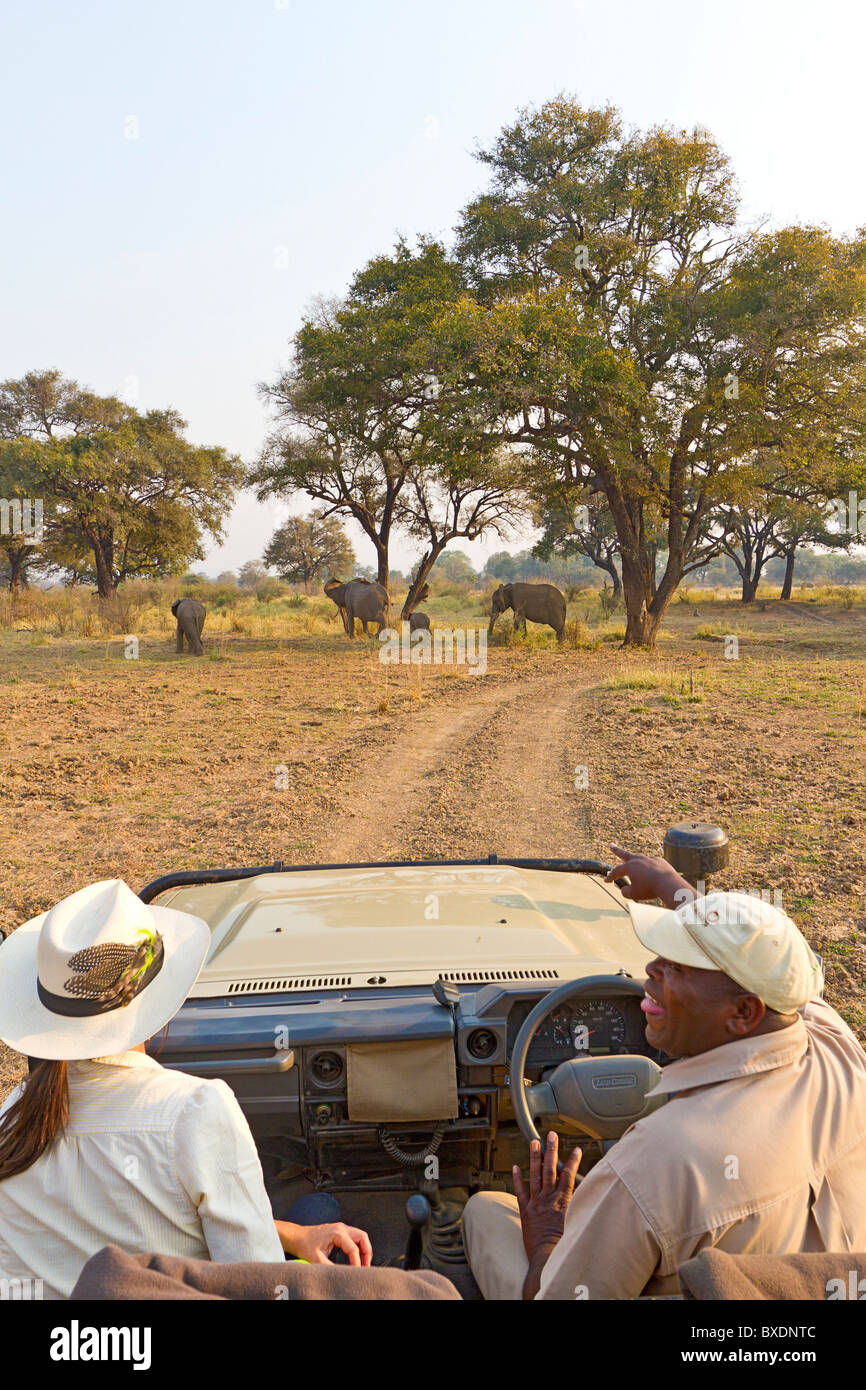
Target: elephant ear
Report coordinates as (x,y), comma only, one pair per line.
(508,595)
(174,607)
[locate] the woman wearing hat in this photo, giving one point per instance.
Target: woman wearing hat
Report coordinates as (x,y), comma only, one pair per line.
(102,1145)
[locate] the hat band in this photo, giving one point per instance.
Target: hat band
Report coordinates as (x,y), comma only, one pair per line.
(71,1007)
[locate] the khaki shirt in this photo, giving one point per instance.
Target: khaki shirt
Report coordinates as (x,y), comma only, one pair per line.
(760,1150)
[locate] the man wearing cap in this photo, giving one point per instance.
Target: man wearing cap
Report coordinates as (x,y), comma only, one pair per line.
(760,1148)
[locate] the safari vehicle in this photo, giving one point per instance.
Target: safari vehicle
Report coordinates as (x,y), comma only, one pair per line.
(397,1032)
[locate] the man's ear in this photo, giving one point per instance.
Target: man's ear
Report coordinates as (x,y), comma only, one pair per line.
(747,1013)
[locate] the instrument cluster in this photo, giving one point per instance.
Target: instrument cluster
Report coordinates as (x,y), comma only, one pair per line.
(586,1028)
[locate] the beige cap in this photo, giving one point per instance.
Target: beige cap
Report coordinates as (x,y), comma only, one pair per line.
(746,938)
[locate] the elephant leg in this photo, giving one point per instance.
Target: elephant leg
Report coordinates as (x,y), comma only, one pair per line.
(195,641)
(350,622)
(179,639)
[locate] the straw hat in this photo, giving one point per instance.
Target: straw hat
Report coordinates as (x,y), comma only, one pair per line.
(97,974)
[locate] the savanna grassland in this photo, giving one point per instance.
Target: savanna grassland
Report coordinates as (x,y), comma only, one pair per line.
(287,741)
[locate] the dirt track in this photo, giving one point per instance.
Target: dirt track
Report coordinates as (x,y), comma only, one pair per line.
(496,774)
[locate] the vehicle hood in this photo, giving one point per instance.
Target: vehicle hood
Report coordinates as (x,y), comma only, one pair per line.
(338,928)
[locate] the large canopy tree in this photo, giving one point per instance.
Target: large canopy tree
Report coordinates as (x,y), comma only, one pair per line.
(128,495)
(620,324)
(346,412)
(364,426)
(308,548)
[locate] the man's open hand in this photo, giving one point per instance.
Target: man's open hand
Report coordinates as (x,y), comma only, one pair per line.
(543,1207)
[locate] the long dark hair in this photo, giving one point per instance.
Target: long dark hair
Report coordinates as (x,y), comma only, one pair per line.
(39,1115)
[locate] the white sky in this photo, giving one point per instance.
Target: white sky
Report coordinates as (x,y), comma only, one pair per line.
(149,266)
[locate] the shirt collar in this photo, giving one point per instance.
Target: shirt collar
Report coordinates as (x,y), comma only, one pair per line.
(120,1059)
(744,1058)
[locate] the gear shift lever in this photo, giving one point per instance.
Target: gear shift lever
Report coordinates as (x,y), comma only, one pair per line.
(418,1216)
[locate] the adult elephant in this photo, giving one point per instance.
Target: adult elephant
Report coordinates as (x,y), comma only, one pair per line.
(540,603)
(361,599)
(190,616)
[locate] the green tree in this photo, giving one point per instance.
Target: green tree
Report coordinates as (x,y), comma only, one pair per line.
(129,496)
(138,498)
(305,548)
(622,327)
(23,555)
(251,573)
(347,410)
(455,497)
(457,567)
(583,529)
(363,426)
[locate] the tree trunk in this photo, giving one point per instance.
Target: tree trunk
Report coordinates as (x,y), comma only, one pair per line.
(644,608)
(641,624)
(750,586)
(105,586)
(788,581)
(419,578)
(17,560)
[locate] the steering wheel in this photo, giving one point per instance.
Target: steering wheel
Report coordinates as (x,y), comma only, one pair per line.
(599,1096)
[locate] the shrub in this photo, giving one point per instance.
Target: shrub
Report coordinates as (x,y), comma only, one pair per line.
(268,589)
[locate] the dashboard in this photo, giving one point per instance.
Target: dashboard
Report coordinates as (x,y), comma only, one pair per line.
(296,1095)
(587,1028)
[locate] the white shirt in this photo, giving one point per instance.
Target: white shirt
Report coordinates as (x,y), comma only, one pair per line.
(150,1160)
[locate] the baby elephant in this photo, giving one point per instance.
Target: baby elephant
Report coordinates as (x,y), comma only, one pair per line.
(190,616)
(419,620)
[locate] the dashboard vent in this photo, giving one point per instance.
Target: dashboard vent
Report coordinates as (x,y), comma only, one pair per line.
(278,986)
(467,977)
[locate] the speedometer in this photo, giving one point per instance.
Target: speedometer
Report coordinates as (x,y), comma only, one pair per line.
(598,1026)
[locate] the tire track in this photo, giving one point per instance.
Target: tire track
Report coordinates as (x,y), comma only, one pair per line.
(494,775)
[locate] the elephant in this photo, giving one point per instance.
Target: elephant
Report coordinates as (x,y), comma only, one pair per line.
(419,620)
(361,599)
(190,616)
(540,603)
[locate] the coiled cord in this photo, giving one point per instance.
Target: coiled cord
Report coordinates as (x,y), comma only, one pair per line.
(403,1156)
